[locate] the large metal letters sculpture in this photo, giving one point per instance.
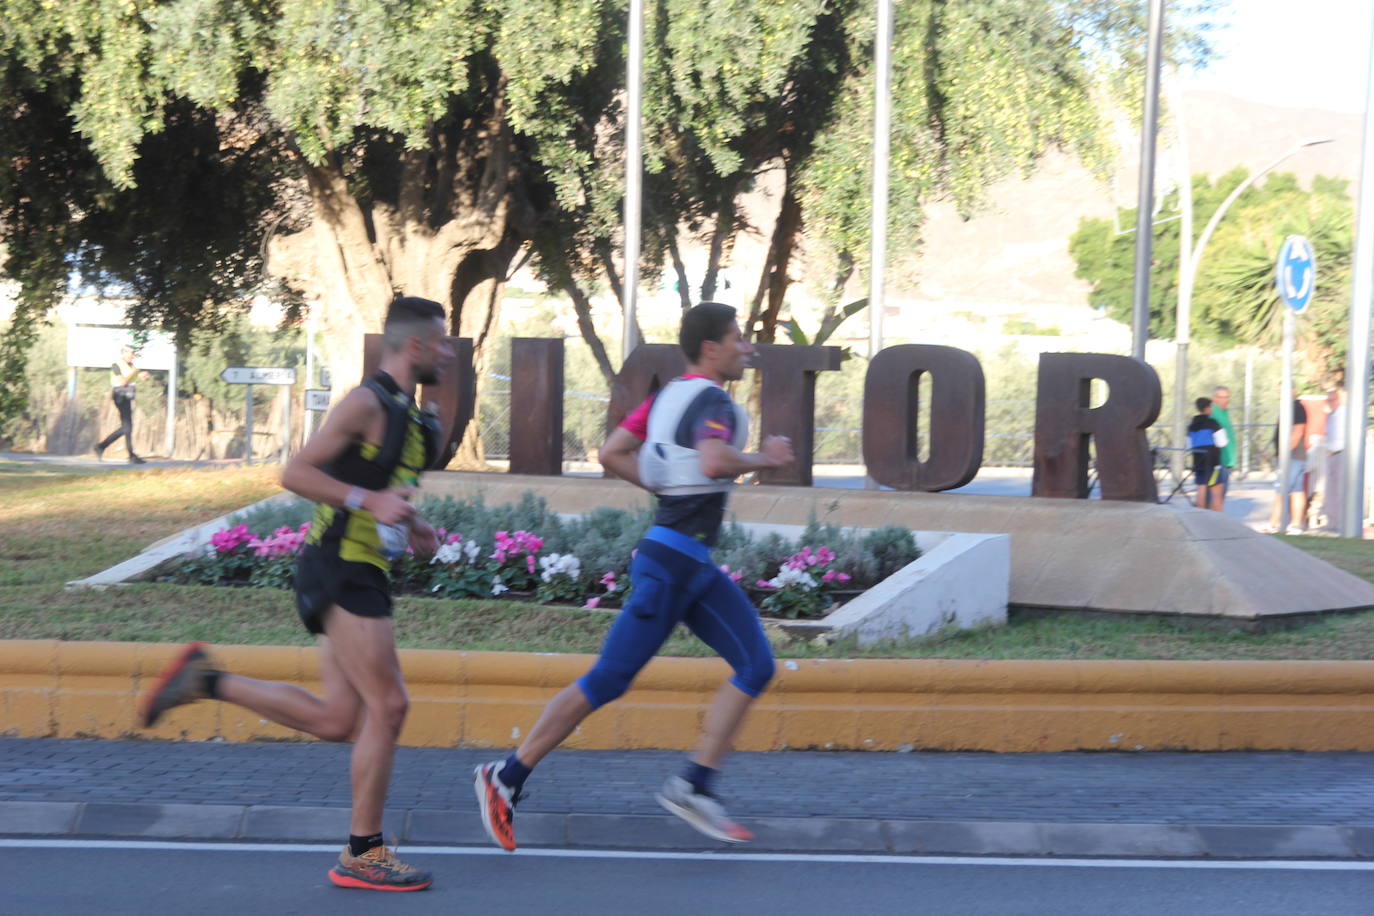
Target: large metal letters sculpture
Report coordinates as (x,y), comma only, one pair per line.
(1065,423)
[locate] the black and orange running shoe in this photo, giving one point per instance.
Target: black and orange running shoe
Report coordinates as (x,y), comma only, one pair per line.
(185,680)
(378,869)
(497,801)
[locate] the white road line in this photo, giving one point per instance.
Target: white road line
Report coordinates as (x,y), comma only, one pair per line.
(765,857)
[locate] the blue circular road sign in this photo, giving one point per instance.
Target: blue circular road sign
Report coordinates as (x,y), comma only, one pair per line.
(1297,272)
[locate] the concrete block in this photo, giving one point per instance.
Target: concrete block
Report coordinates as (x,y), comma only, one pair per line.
(464,828)
(637,831)
(173,820)
(963,582)
(285,822)
(1121,840)
(1275,842)
(969,838)
(835,834)
(1362,840)
(47,818)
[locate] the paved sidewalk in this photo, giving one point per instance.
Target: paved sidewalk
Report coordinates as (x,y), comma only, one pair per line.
(1164,804)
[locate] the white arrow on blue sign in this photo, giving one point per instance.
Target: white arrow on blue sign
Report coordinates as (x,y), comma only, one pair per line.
(243,375)
(1297,272)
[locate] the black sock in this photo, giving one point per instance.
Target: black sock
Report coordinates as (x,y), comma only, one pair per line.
(700,777)
(212,684)
(358,845)
(514,773)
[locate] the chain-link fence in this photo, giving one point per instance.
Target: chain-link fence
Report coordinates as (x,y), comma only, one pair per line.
(1009,437)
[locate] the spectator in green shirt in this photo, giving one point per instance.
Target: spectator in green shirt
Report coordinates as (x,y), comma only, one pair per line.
(1221,401)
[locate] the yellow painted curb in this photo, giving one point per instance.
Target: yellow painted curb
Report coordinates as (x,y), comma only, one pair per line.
(50,688)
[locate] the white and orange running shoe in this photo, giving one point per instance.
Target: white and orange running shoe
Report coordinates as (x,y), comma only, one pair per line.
(497,801)
(704,812)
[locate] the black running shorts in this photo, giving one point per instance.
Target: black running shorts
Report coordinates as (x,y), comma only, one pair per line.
(323,579)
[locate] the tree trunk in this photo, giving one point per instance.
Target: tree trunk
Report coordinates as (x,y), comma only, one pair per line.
(773,282)
(684,287)
(449,234)
(583,307)
(720,240)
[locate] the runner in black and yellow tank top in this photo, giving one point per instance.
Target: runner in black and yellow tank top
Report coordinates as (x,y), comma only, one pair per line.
(361,468)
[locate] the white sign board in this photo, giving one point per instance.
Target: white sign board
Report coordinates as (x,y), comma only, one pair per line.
(242,375)
(98,347)
(317,399)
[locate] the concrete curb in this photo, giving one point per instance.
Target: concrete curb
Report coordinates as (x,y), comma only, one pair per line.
(780,834)
(55,689)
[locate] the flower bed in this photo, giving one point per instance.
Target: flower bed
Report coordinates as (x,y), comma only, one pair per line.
(525,551)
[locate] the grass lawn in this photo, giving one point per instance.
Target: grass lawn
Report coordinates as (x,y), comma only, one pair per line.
(59,524)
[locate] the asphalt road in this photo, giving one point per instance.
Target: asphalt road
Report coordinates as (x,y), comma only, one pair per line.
(142,878)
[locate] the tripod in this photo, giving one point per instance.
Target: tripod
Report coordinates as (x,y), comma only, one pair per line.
(1162,456)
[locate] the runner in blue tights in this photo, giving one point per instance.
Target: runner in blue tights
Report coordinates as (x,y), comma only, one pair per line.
(685,445)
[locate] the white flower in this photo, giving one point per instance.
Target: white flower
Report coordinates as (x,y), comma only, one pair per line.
(555,564)
(471,549)
(789,576)
(497,586)
(448,553)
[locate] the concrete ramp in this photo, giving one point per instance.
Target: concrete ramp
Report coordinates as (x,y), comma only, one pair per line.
(1085,555)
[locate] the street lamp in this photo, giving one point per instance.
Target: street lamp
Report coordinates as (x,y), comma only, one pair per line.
(1188,273)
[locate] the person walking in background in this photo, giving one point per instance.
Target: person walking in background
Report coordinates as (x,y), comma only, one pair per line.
(1206,439)
(1335,460)
(122,375)
(1221,412)
(1297,453)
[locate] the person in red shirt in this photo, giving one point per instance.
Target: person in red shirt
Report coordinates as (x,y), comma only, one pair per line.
(685,445)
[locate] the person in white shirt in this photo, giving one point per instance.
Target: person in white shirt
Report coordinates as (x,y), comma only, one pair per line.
(1335,459)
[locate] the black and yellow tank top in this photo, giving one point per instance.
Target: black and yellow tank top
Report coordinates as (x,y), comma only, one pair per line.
(408,447)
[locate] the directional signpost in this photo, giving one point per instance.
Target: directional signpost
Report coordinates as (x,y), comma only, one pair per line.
(244,375)
(1296,279)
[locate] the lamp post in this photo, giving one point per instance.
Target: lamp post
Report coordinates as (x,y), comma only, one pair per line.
(634,172)
(1188,273)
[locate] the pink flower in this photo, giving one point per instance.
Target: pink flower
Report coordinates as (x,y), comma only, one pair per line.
(592,603)
(843,577)
(608,581)
(829,576)
(763,583)
(736,576)
(529,563)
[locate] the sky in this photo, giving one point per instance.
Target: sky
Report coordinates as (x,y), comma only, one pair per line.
(1292,53)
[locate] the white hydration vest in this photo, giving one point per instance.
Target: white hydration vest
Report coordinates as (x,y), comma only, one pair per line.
(670,469)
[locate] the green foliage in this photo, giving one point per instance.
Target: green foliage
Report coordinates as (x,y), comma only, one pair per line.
(980,90)
(1026,326)
(1234,297)
(268,516)
(830,323)
(891,548)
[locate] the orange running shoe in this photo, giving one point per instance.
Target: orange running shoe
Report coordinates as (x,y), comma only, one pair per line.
(378,869)
(497,801)
(182,681)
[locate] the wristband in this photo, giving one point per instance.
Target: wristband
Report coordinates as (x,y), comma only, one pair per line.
(354,499)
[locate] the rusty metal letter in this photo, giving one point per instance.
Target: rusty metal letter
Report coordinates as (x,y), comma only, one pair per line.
(891,405)
(1064,422)
(649,368)
(454,398)
(536,406)
(787,403)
